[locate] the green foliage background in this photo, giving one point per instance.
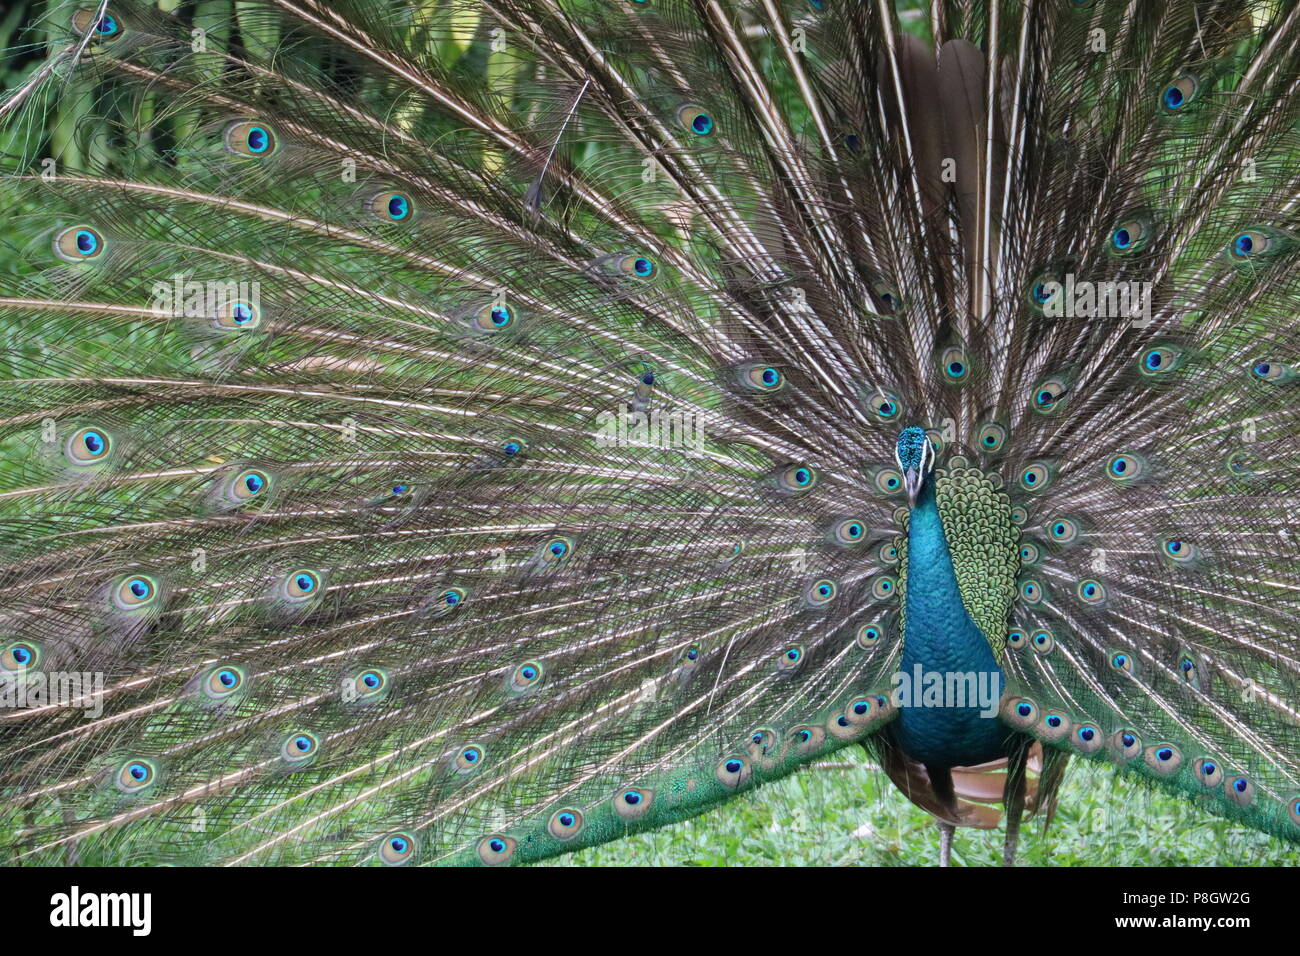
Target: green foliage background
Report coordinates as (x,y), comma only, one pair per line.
(836,814)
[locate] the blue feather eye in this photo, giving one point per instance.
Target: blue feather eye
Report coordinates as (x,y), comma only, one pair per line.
(695,119)
(759,378)
(807,739)
(392,207)
(795,479)
(884,587)
(223,682)
(1240,790)
(1031,591)
(299,748)
(249,138)
(1050,396)
(1271,371)
(135,775)
(1161,360)
(135,591)
(633,803)
(1016,638)
(1126,744)
(849,532)
(1164,759)
(396,849)
(887,297)
(733,772)
(565,824)
(1046,292)
(79,244)
(1042,641)
(1064,530)
(1122,661)
(1126,467)
(991,438)
(954,362)
(108,27)
(554,551)
(300,586)
(1020,712)
(869,635)
(1130,236)
(790,659)
(20,656)
(1029,554)
(820,593)
(1208,772)
(887,481)
(1091,592)
(88,446)
(1180,93)
(884,405)
(366,686)
(1087,739)
(525,677)
(638,267)
(1036,476)
(235,315)
(468,759)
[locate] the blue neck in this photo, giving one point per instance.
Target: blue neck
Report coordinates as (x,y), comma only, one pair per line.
(942,639)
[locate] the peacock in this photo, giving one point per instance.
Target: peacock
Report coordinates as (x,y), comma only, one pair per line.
(458,432)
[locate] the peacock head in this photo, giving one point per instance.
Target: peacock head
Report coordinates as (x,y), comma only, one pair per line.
(915,457)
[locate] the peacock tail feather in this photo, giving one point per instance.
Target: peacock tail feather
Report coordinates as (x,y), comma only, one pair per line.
(468,432)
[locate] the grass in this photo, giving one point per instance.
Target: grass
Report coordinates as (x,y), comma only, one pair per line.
(854,817)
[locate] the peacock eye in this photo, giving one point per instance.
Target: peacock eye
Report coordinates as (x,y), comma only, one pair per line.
(555,550)
(1160,361)
(1050,396)
(884,405)
(392,207)
(512,448)
(733,772)
(249,138)
(19,656)
(1271,371)
(135,591)
(1029,553)
(135,775)
(820,593)
(1063,530)
(795,479)
(1126,744)
(887,481)
(525,677)
(848,532)
(1240,790)
(869,635)
(887,297)
(883,587)
(1125,467)
(105,28)
(236,315)
(1031,591)
(222,682)
(88,446)
(1091,592)
(1207,772)
(1036,476)
(633,803)
(1016,638)
(397,848)
(368,685)
(492,318)
(955,364)
(790,660)
(1045,291)
(1130,236)
(1042,641)
(991,437)
(1181,92)
(79,244)
(1122,661)
(565,824)
(760,378)
(299,747)
(695,119)
(468,759)
(639,267)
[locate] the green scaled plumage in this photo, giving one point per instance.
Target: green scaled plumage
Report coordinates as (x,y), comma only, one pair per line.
(468,432)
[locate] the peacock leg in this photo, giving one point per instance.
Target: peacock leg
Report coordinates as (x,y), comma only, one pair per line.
(945,841)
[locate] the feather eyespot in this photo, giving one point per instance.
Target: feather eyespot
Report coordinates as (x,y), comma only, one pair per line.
(991,438)
(790,659)
(554,551)
(468,759)
(1122,661)
(1161,360)
(493,318)
(397,849)
(302,585)
(1130,236)
(1180,93)
(20,656)
(869,635)
(1178,551)
(885,406)
(887,481)
(1029,554)
(1208,772)
(1271,371)
(1020,712)
(1036,476)
(1086,738)
(759,378)
(848,533)
(366,686)
(79,244)
(854,720)
(633,803)
(1240,790)
(695,119)
(299,748)
(1016,638)
(955,364)
(1042,641)
(105,28)
(1091,592)
(733,772)
(249,138)
(638,267)
(565,824)
(236,315)
(392,207)
(223,682)
(884,587)
(135,775)
(820,593)
(807,739)
(526,677)
(88,446)
(795,479)
(1050,396)
(1063,530)
(1125,744)
(1032,591)
(1126,468)
(1164,759)
(135,591)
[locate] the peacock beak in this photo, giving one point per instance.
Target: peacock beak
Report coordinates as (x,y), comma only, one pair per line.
(912,480)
